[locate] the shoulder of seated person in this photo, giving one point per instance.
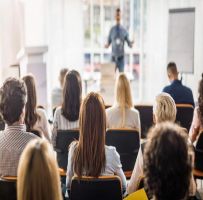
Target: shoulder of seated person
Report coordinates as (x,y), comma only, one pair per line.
(73,145)
(32,135)
(58,109)
(110,109)
(41,111)
(167,87)
(110,148)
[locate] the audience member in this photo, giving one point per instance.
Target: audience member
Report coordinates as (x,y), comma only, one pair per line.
(90,156)
(167,166)
(38,176)
(57,93)
(67,115)
(197,122)
(164,109)
(35,118)
(180,93)
(14,138)
(122,114)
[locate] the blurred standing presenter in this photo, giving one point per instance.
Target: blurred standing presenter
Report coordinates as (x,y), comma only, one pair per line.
(117,37)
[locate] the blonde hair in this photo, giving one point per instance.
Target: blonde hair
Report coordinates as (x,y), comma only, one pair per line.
(38,176)
(123,96)
(164,108)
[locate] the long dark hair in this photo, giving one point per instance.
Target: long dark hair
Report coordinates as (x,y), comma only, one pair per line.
(200,100)
(89,155)
(72,96)
(31,115)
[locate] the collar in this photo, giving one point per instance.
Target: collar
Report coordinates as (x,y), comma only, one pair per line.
(20,127)
(176,82)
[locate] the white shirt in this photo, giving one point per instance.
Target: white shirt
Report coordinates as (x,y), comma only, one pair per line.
(42,124)
(114,118)
(61,123)
(113,165)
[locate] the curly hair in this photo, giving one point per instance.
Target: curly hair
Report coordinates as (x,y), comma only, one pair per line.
(167,165)
(12,100)
(200,100)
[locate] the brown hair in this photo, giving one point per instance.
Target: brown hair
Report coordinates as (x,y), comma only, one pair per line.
(31,115)
(72,96)
(167,165)
(172,68)
(89,155)
(38,176)
(12,100)
(200,100)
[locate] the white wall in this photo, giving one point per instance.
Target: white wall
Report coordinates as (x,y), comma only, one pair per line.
(155,46)
(11,35)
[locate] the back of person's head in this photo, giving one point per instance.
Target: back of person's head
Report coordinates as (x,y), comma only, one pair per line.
(62,75)
(89,156)
(38,176)
(200,99)
(167,165)
(123,96)
(72,94)
(31,115)
(164,108)
(172,68)
(12,100)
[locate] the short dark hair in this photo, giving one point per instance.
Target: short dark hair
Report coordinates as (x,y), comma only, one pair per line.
(167,166)
(12,99)
(118,10)
(172,67)
(72,94)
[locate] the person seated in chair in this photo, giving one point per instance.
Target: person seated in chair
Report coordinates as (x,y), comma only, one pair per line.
(123,114)
(197,122)
(164,110)
(38,175)
(180,93)
(14,138)
(90,156)
(167,165)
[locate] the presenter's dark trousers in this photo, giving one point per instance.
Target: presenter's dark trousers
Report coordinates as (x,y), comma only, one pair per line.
(119,63)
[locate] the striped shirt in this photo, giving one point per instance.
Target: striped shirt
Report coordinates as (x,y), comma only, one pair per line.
(61,123)
(12,143)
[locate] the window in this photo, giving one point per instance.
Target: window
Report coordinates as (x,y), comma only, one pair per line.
(98,20)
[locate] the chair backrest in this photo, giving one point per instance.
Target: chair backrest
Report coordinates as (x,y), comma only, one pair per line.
(63,139)
(36,132)
(102,188)
(146,118)
(184,115)
(8,189)
(199,153)
(127,143)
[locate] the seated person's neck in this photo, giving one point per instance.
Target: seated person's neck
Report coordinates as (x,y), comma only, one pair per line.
(17,123)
